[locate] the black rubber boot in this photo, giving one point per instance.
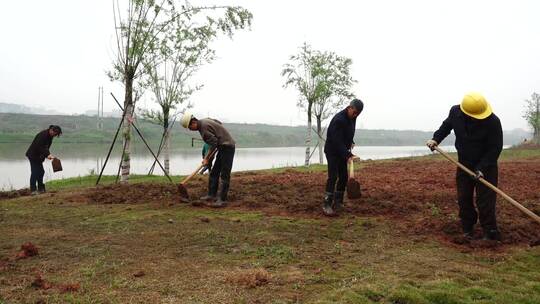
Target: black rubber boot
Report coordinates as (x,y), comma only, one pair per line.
(222,199)
(468,235)
(212,190)
(327,205)
(492,235)
(218,204)
(338,201)
(41,189)
(208,197)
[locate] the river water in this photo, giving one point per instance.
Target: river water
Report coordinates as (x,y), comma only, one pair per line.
(84,159)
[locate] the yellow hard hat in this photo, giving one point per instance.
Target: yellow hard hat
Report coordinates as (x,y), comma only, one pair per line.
(475,105)
(186,118)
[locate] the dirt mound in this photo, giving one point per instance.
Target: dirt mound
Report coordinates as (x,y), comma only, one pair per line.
(417,196)
(14,193)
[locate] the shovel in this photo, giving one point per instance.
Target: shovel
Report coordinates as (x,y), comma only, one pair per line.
(489,185)
(353,186)
(182,190)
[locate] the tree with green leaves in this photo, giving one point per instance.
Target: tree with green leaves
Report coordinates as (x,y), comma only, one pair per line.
(323,81)
(532,115)
(146,28)
(171,65)
(335,90)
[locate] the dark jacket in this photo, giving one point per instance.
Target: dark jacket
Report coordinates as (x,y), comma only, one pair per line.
(340,134)
(214,134)
(478,141)
(39,149)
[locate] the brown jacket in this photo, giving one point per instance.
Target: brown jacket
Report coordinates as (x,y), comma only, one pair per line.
(214,134)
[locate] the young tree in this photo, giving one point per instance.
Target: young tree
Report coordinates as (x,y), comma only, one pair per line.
(335,89)
(532,115)
(301,73)
(142,31)
(183,50)
(323,81)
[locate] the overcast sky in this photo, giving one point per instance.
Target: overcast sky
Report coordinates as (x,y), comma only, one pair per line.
(412,59)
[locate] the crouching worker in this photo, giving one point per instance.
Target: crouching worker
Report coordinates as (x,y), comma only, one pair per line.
(217,137)
(37,153)
(479,141)
(338,146)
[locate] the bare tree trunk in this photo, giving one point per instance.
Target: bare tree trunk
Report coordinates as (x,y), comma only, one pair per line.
(308,135)
(537,123)
(321,143)
(128,108)
(166,150)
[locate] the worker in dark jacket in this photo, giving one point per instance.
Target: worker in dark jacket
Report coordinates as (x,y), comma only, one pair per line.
(37,152)
(338,147)
(217,137)
(479,141)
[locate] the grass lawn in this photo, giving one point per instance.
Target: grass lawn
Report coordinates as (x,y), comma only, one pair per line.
(147,253)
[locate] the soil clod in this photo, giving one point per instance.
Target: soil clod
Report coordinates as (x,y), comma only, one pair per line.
(40,283)
(139,274)
(27,250)
(65,288)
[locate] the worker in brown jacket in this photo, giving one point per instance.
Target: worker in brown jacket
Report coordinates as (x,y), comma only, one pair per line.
(217,137)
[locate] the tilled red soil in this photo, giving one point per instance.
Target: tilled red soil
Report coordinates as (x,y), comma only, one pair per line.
(418,196)
(14,193)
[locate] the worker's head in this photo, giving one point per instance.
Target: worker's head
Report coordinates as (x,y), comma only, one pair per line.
(475,106)
(55,130)
(355,108)
(189,121)
(193,124)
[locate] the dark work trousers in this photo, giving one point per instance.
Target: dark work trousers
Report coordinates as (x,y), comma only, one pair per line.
(337,171)
(485,200)
(36,175)
(222,168)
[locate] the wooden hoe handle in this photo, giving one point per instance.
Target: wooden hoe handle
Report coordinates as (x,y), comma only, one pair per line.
(489,185)
(351,168)
(208,156)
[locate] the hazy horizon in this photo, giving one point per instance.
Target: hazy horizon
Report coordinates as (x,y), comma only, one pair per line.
(253,123)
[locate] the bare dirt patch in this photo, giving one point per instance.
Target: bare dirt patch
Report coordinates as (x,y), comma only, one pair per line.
(249,278)
(41,283)
(14,193)
(417,196)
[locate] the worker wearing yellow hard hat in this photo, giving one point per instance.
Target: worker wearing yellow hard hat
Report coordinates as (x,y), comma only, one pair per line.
(475,106)
(479,141)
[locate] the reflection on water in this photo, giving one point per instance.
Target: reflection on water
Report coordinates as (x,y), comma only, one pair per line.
(84,159)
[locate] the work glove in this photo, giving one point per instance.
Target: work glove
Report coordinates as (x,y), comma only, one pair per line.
(478,175)
(431,144)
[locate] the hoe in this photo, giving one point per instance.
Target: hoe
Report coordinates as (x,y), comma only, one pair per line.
(182,190)
(489,185)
